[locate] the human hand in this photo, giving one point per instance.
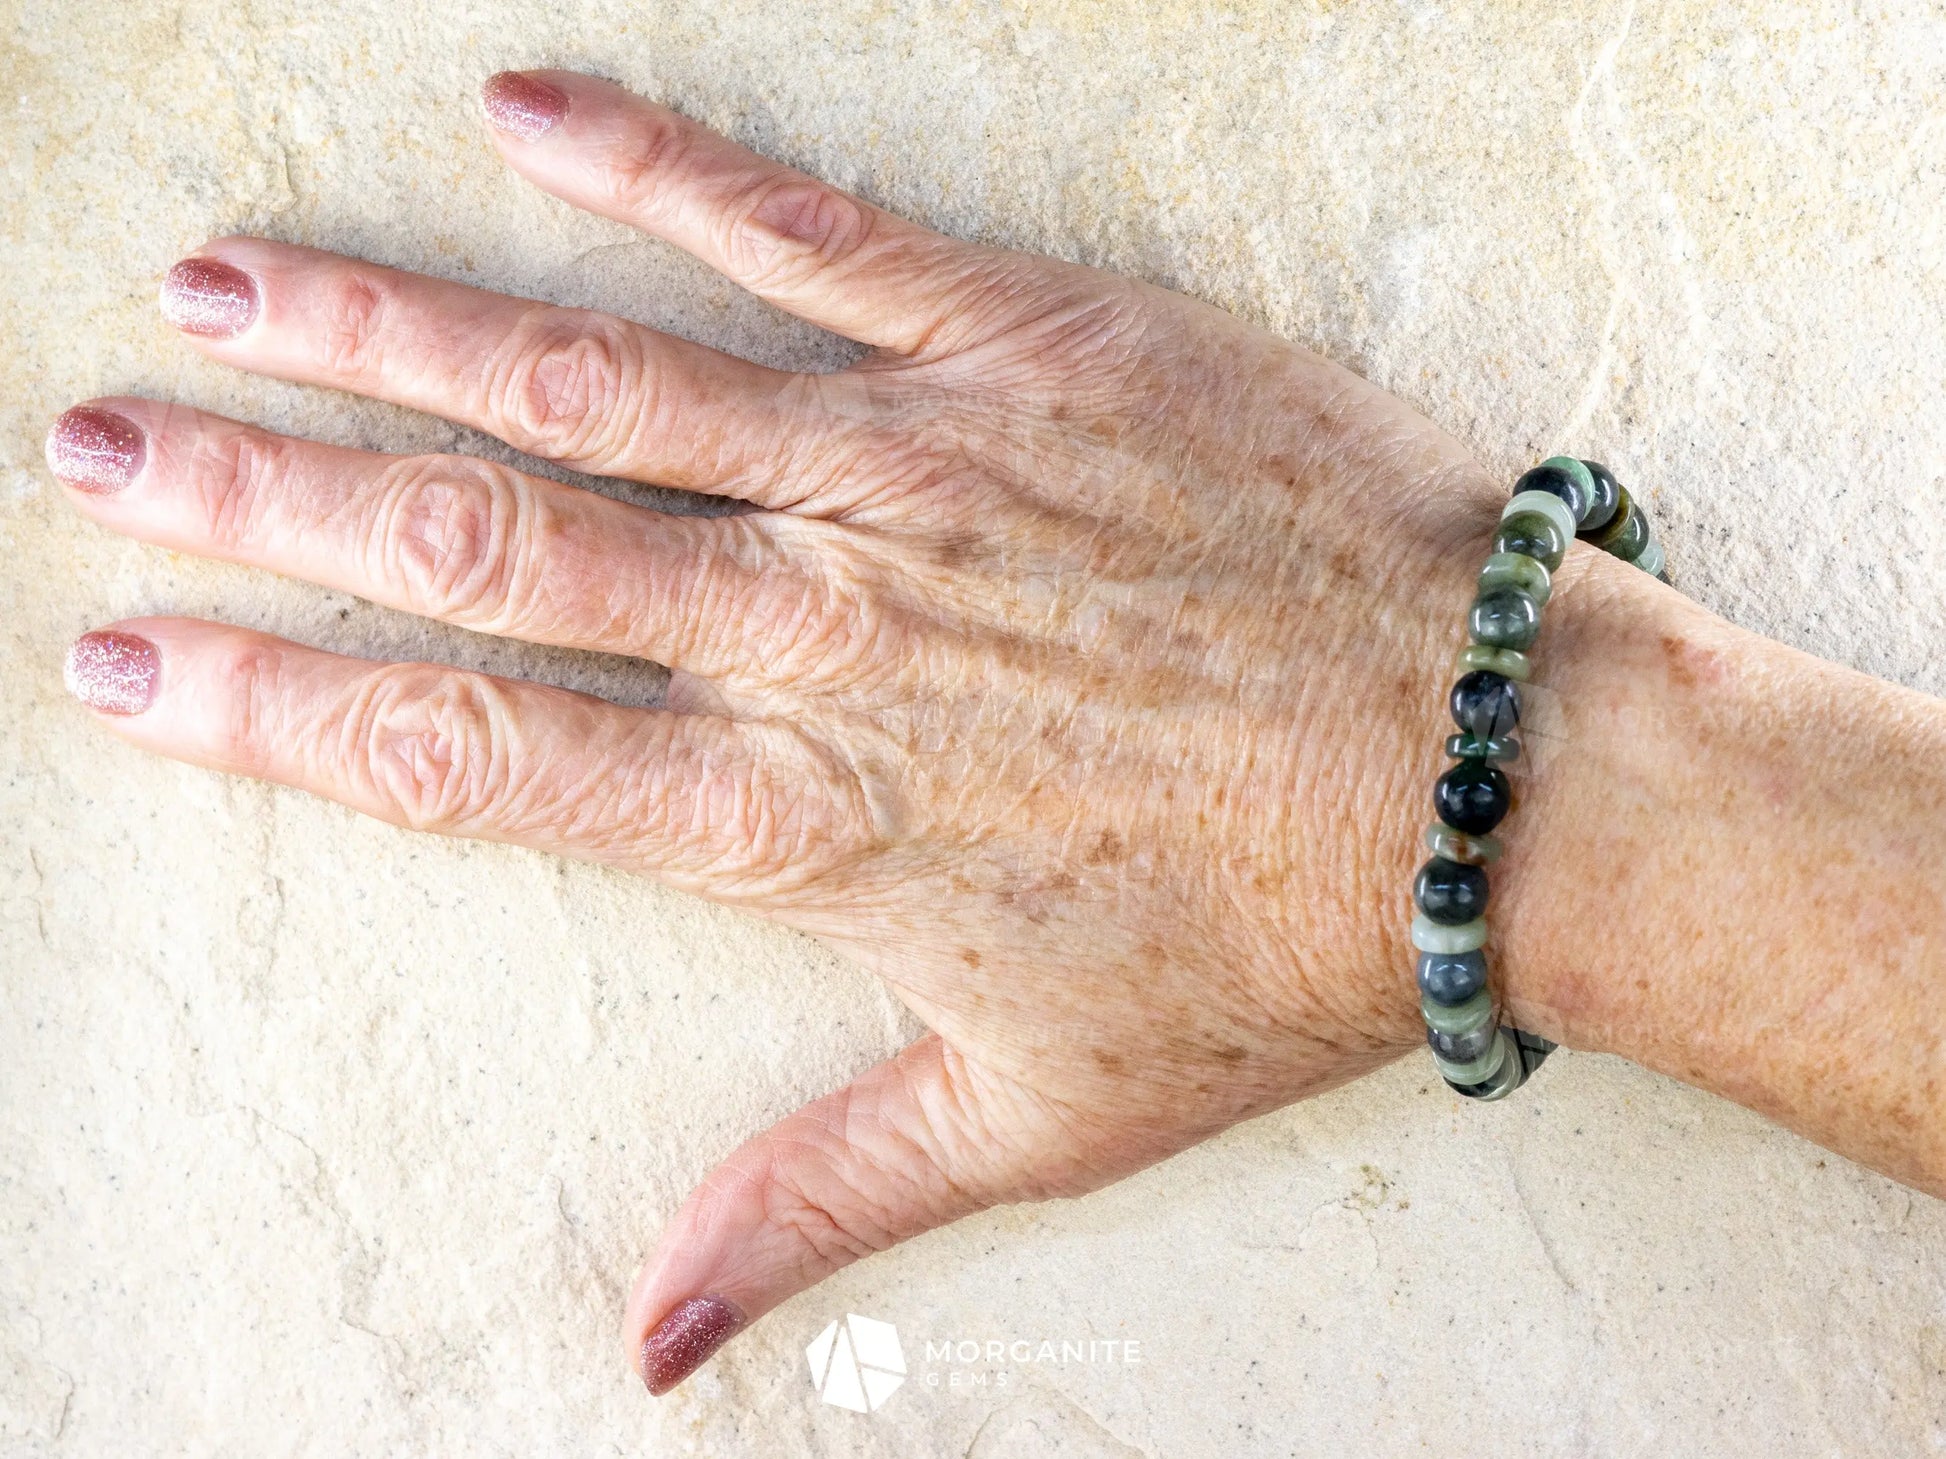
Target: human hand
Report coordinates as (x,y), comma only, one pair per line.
(1079,671)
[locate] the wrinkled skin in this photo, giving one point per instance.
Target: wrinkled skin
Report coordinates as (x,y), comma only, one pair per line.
(1078,669)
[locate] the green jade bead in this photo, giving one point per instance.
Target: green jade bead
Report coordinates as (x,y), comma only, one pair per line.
(1470,747)
(1506,662)
(1431,936)
(1443,840)
(1578,469)
(1627,533)
(1503,1073)
(1532,534)
(1601,511)
(1462,1048)
(1513,570)
(1475,1012)
(1504,618)
(1548,505)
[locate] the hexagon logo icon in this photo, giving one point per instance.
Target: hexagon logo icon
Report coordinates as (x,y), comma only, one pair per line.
(857,1363)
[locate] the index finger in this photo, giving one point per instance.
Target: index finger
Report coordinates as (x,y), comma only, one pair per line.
(801,244)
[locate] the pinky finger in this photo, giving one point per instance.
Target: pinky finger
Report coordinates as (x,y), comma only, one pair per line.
(732,811)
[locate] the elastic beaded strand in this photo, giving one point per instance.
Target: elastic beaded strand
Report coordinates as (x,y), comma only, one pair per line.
(1557,501)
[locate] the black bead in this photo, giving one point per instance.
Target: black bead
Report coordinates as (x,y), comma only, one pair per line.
(1452,977)
(1556,482)
(1472,797)
(1608,496)
(1463,1048)
(1485,704)
(1450,891)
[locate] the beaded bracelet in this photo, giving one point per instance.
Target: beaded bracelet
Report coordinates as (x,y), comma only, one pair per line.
(1559,499)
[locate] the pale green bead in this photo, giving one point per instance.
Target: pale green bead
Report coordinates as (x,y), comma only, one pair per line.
(1431,936)
(1652,559)
(1546,503)
(1510,1077)
(1481,1069)
(1475,1012)
(1508,663)
(1518,570)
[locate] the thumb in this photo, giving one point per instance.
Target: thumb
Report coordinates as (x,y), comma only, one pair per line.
(913,1144)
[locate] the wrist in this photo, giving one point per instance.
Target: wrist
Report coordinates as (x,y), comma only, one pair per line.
(1727,870)
(1611,770)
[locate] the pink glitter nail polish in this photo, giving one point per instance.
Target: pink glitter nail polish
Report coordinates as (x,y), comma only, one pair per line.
(206,297)
(112,671)
(96,451)
(521,105)
(684,1340)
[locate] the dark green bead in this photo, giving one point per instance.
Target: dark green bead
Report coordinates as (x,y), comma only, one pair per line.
(1485,705)
(1563,477)
(1472,797)
(1504,618)
(1627,534)
(1472,747)
(1450,892)
(1608,495)
(1463,1048)
(1513,570)
(1532,535)
(1452,977)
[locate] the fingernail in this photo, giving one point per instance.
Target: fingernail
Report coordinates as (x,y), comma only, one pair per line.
(113,672)
(684,1340)
(94,450)
(521,105)
(203,296)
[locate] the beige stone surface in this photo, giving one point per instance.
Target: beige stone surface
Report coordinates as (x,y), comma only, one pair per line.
(317,1137)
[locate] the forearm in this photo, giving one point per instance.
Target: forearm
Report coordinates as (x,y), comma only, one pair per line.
(1733,871)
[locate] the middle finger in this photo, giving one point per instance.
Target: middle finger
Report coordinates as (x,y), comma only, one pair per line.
(589,390)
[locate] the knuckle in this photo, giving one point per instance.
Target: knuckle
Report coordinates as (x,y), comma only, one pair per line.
(833,632)
(758,828)
(840,1225)
(427,742)
(636,172)
(750,826)
(812,609)
(790,228)
(350,318)
(769,822)
(232,479)
(563,385)
(256,694)
(454,540)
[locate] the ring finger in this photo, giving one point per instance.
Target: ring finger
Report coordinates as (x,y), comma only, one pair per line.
(466,541)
